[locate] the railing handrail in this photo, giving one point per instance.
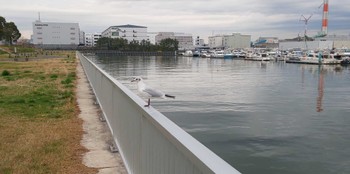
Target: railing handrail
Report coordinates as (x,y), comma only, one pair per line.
(199,155)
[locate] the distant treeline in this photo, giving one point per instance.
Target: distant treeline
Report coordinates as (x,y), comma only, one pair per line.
(121,44)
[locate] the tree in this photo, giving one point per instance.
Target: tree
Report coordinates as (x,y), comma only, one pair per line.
(8,31)
(2,26)
(169,44)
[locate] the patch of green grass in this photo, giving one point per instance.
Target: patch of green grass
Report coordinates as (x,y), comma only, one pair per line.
(67,81)
(53,147)
(41,103)
(6,170)
(54,76)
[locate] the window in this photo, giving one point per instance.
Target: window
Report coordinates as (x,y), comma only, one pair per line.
(39,28)
(39,33)
(72,28)
(39,38)
(72,33)
(72,38)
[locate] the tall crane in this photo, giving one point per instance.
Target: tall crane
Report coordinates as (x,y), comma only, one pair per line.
(324,29)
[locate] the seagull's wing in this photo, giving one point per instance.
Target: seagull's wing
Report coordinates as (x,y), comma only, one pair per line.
(153,92)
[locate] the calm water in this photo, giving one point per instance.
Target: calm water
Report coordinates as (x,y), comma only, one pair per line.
(272,118)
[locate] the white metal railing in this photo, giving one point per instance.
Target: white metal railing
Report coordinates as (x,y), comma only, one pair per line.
(148,142)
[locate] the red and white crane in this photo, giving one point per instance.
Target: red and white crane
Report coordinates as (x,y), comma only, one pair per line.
(325,18)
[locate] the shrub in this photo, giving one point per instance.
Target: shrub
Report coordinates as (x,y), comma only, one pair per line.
(5,73)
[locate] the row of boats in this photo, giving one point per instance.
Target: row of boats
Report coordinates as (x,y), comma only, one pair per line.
(296,56)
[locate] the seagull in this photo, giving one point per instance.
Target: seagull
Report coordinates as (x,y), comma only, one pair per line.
(143,88)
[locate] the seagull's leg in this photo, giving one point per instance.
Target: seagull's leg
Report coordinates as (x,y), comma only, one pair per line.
(148,103)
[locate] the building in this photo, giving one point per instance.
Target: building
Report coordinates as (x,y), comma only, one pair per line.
(56,35)
(152,37)
(266,42)
(82,38)
(236,40)
(326,42)
(91,39)
(199,42)
(185,40)
(128,32)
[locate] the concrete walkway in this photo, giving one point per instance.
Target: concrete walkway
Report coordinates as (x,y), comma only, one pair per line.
(97,136)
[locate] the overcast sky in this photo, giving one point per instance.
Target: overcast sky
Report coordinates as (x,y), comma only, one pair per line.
(278,18)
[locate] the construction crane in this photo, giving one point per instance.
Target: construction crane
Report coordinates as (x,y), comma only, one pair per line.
(324,29)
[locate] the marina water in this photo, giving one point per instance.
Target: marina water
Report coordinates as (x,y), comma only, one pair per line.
(260,117)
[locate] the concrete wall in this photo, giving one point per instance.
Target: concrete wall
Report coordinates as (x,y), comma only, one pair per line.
(342,44)
(313,45)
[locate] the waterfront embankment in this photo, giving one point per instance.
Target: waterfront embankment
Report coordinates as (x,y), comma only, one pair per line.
(97,137)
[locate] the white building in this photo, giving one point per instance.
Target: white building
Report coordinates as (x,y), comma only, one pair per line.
(236,40)
(152,37)
(199,42)
(82,38)
(185,40)
(53,34)
(91,39)
(128,32)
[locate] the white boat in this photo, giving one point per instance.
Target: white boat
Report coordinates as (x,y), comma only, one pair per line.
(217,54)
(294,55)
(261,57)
(316,58)
(196,53)
(188,53)
(249,55)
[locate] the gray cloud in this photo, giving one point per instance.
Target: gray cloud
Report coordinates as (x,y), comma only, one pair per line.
(199,17)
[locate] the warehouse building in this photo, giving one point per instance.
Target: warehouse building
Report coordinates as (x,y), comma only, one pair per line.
(54,35)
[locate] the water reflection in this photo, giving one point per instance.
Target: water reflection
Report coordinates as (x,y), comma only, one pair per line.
(319,107)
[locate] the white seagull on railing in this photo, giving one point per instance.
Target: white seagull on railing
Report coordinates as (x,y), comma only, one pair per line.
(142,87)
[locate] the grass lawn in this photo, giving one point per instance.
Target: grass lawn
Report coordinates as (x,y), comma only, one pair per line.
(40,131)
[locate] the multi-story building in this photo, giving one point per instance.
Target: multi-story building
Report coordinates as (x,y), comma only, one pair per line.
(216,41)
(152,37)
(128,32)
(91,39)
(199,42)
(88,39)
(55,35)
(82,38)
(164,35)
(236,40)
(185,40)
